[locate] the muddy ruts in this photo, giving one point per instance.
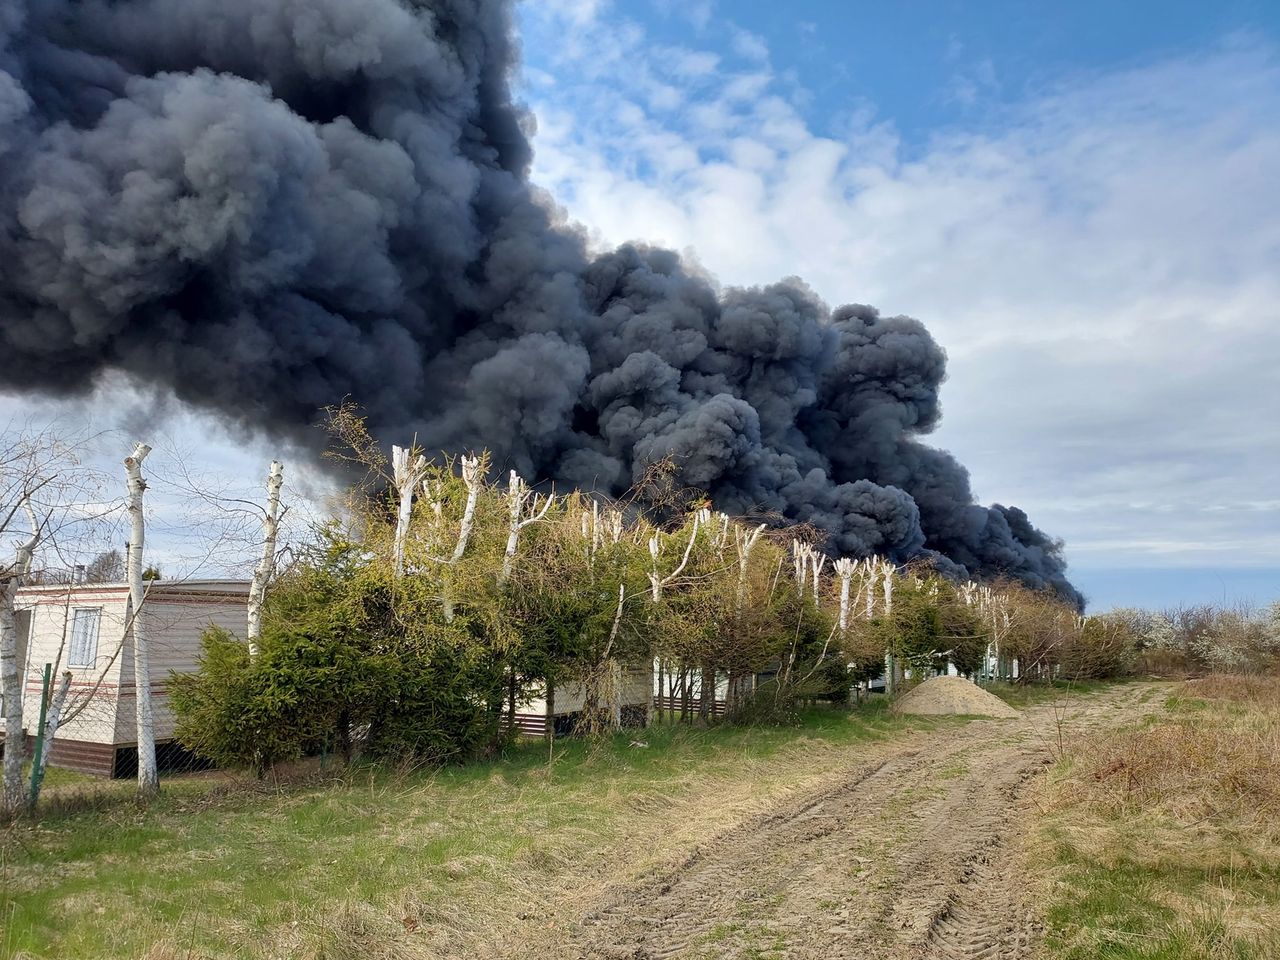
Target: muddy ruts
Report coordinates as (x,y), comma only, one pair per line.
(264,206)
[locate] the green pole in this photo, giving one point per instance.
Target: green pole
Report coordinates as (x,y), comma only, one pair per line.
(36,772)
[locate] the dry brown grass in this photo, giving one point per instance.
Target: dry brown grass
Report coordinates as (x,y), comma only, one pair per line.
(1171,829)
(1216,757)
(1261,690)
(1195,772)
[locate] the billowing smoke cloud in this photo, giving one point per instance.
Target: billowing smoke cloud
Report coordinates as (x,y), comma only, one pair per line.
(266,206)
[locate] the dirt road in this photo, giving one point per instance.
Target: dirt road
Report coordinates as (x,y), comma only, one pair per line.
(910,855)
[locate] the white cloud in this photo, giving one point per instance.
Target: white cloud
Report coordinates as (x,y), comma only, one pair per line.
(748,45)
(972,83)
(1100,264)
(579,12)
(201,479)
(696,12)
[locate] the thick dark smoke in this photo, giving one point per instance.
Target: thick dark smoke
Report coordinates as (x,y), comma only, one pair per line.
(265,206)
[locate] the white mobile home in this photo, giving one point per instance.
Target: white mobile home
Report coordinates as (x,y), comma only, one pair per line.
(82,628)
(534,716)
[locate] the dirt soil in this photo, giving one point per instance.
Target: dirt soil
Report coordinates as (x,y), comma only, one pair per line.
(953,696)
(908,853)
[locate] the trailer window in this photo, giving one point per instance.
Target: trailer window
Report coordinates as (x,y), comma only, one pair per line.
(84,637)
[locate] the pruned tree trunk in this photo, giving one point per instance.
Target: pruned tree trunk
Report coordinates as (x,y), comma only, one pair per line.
(800,563)
(656,581)
(473,477)
(845,568)
(407,470)
(518,496)
(888,611)
(265,569)
(745,543)
(148,776)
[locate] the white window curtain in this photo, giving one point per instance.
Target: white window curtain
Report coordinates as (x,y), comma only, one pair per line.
(84,637)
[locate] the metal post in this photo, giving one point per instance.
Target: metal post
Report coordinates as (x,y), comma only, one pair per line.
(36,767)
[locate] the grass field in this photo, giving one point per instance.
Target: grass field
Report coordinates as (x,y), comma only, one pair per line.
(389,863)
(1162,842)
(1024,695)
(1155,842)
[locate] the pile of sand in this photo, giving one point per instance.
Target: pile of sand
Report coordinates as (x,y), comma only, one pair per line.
(946,696)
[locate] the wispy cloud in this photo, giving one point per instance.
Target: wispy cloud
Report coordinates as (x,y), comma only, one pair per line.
(748,45)
(1098,258)
(696,12)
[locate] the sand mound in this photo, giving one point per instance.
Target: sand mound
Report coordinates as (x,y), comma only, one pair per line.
(946,696)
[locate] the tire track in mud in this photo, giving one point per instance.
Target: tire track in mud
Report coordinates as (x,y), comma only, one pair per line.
(911,856)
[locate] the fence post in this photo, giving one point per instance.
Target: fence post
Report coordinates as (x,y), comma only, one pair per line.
(37,771)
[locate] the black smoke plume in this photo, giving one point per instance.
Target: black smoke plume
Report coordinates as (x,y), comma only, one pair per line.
(265,206)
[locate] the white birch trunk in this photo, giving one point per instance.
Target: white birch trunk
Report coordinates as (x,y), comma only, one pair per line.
(51,721)
(799,559)
(148,776)
(515,504)
(745,543)
(473,478)
(817,562)
(844,570)
(888,611)
(518,495)
(655,547)
(407,471)
(265,569)
(614,693)
(11,678)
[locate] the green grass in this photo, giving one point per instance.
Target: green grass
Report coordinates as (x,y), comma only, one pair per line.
(1022,695)
(1120,909)
(325,869)
(1134,867)
(55,777)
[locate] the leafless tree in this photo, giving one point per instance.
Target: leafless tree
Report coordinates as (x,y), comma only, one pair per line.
(106,567)
(48,498)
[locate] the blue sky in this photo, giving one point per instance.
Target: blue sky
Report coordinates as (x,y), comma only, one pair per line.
(1080,200)
(925,65)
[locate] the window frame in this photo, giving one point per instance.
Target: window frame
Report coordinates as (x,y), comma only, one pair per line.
(91,658)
